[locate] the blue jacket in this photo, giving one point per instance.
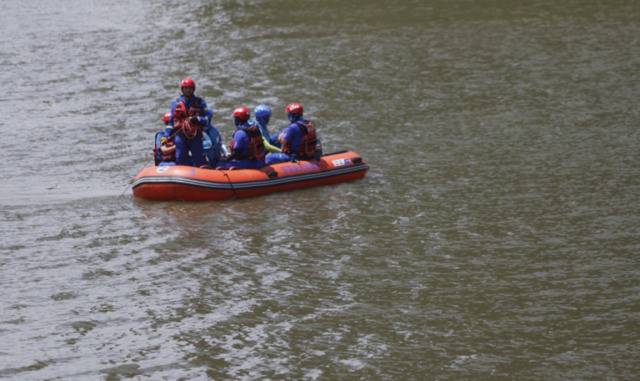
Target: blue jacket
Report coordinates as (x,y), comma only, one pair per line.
(242,139)
(293,134)
(264,130)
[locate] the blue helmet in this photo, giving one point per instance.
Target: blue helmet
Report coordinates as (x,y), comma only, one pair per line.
(262,111)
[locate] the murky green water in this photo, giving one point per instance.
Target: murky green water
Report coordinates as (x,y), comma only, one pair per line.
(494,238)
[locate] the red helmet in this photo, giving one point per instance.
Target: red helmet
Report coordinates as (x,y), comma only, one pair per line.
(242,113)
(295,109)
(188,82)
(166,118)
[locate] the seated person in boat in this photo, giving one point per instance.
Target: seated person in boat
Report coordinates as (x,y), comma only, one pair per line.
(212,143)
(185,129)
(263,115)
(298,140)
(164,151)
(247,146)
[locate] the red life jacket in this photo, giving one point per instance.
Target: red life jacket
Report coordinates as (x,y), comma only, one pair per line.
(168,151)
(308,143)
(181,119)
(255,151)
(188,129)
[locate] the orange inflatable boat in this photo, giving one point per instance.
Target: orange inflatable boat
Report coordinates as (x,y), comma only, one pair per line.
(197,184)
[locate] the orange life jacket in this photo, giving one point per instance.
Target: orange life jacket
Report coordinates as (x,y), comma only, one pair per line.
(255,150)
(308,143)
(182,122)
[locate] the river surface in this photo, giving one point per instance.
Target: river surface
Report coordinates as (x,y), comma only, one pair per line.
(495,237)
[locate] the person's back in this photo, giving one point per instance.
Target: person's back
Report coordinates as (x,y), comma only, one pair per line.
(247,147)
(298,140)
(263,115)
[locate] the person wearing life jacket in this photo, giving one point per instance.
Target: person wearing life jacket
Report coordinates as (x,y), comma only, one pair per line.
(263,115)
(186,127)
(164,151)
(299,140)
(247,147)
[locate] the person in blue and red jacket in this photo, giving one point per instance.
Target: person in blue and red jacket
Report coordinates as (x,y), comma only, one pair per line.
(247,147)
(298,140)
(164,151)
(189,117)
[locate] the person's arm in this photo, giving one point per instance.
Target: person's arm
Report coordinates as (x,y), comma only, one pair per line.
(216,140)
(209,115)
(269,147)
(263,130)
(204,119)
(169,129)
(243,143)
(284,136)
(225,150)
(238,144)
(287,136)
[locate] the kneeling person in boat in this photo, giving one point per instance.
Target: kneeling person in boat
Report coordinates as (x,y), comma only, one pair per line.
(298,140)
(247,147)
